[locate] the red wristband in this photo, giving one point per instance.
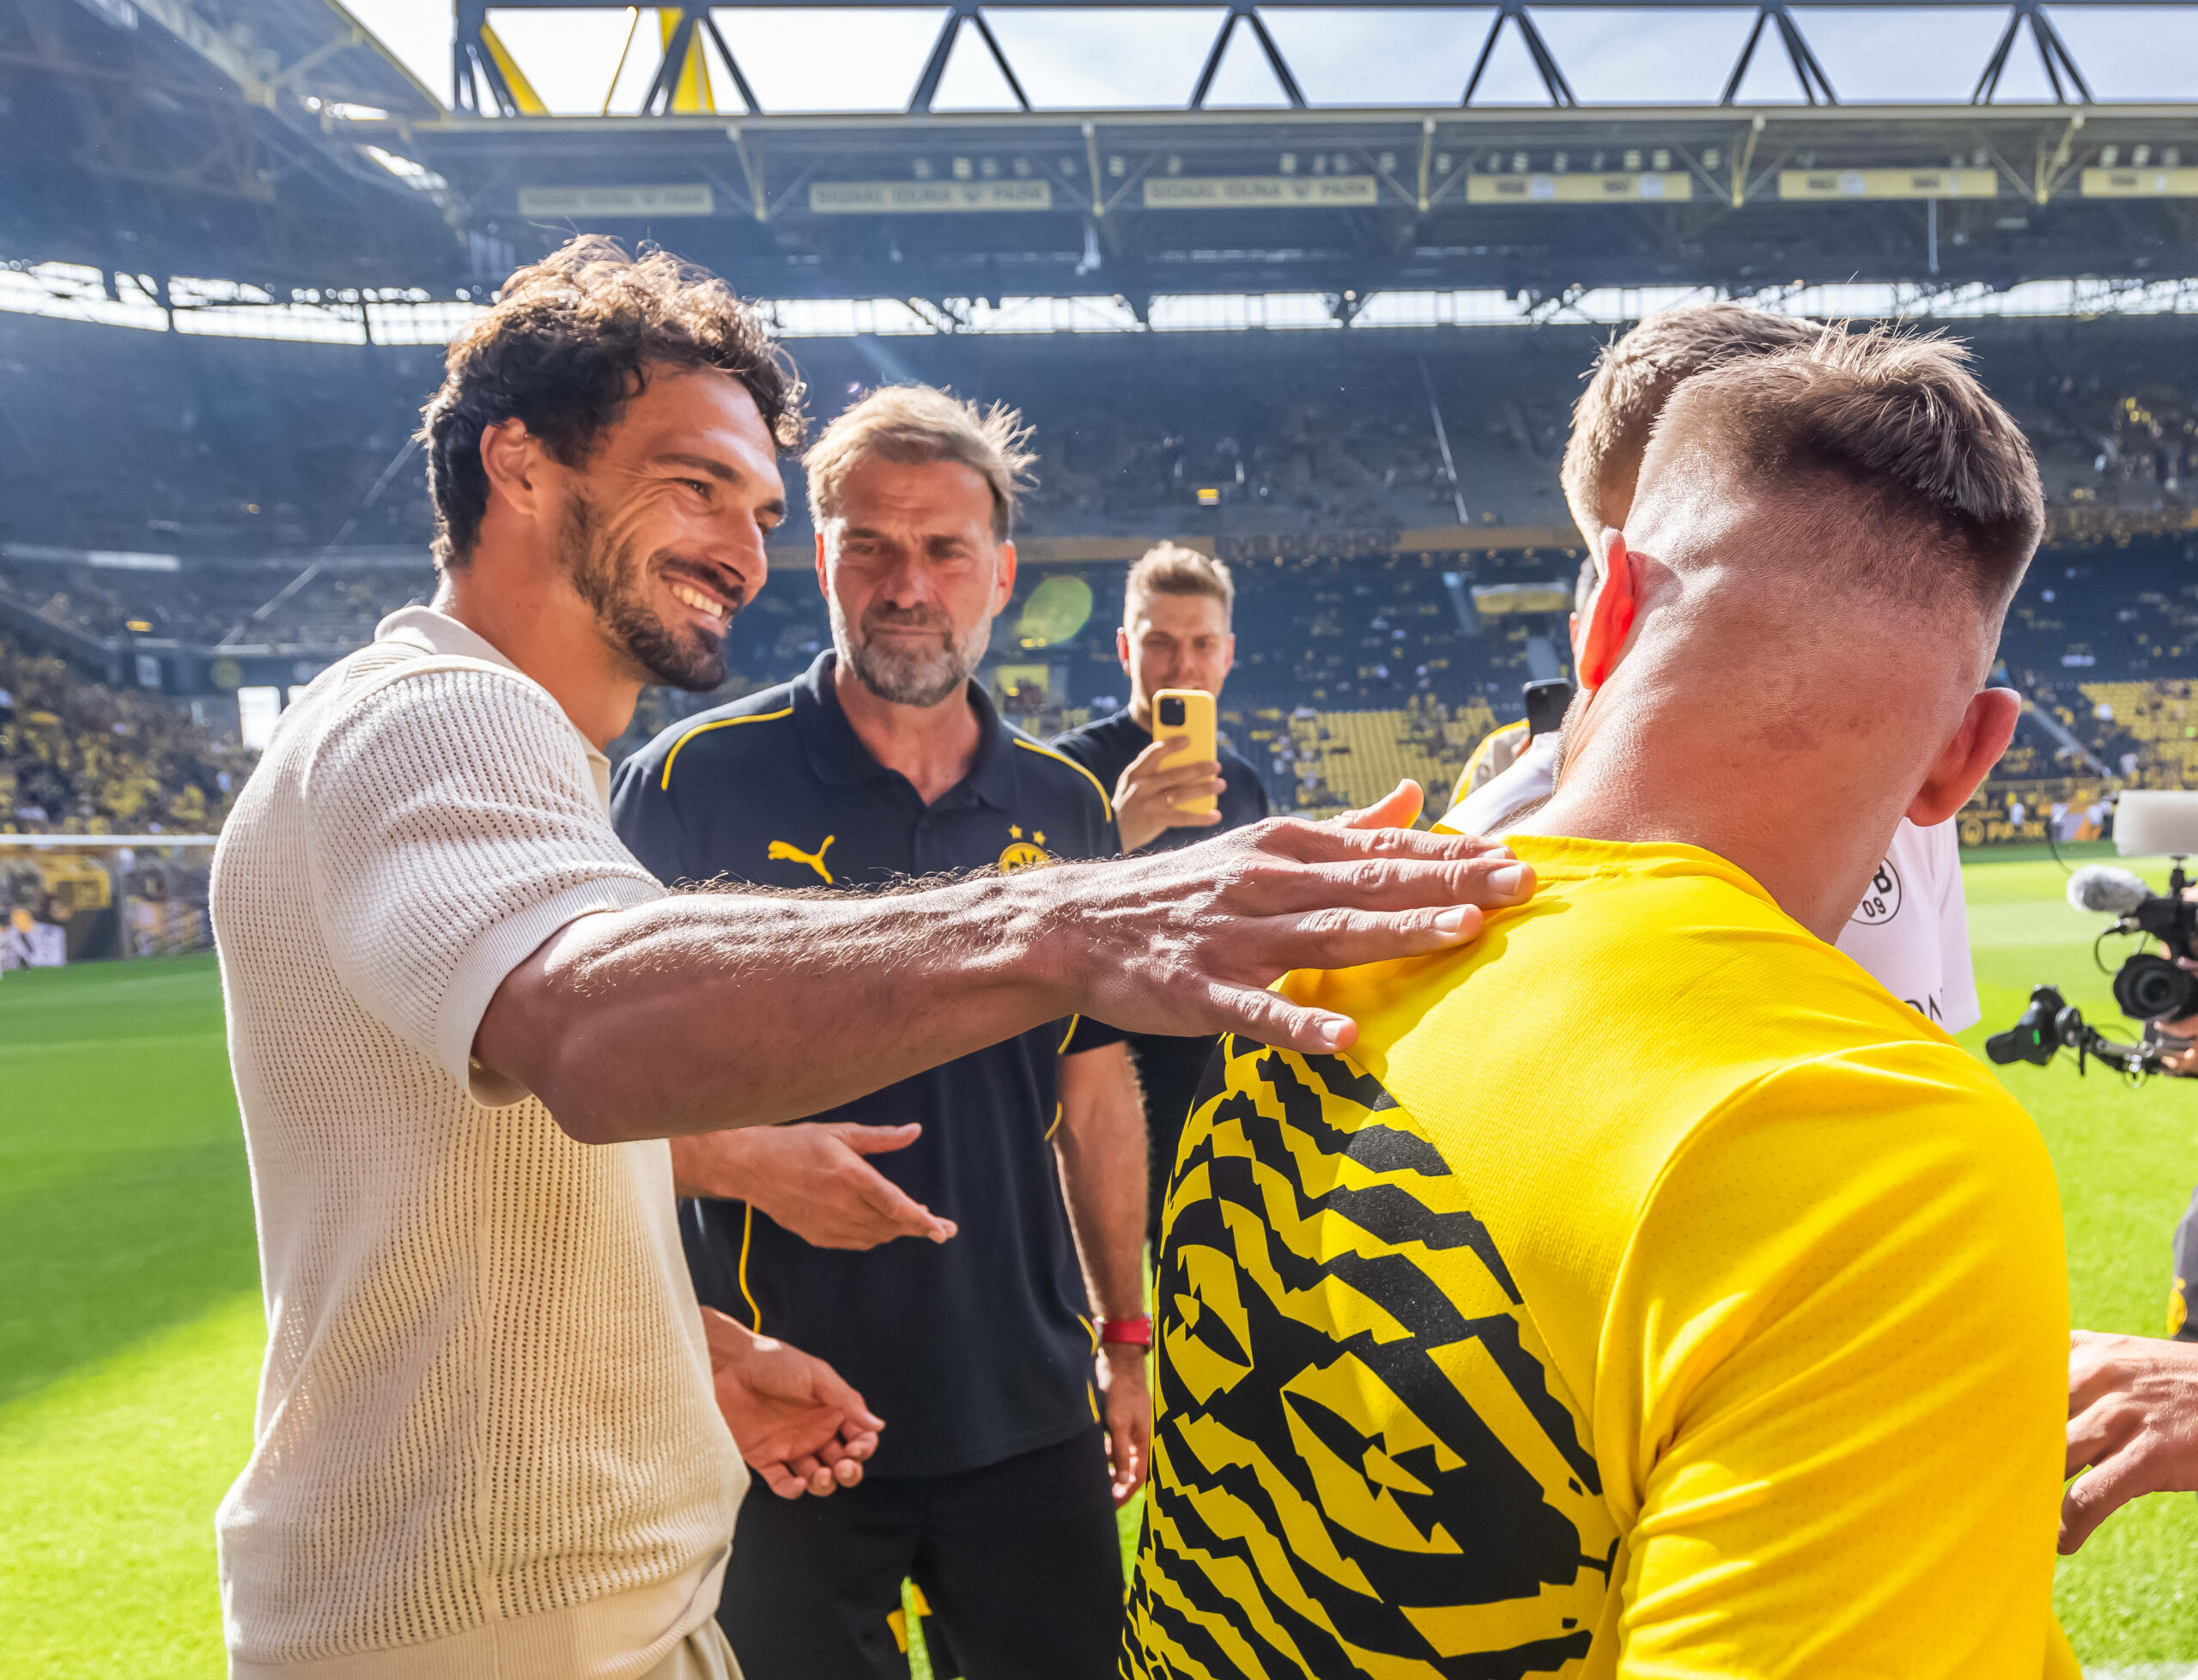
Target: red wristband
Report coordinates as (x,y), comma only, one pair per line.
(1128,1332)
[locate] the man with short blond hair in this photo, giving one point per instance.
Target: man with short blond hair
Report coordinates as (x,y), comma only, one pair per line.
(990,1487)
(1176,634)
(1911,928)
(1171,568)
(1723,1340)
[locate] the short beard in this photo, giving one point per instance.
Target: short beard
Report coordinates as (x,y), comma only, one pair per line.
(909,675)
(613,582)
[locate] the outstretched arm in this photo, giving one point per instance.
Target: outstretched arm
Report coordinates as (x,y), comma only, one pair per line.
(700,1011)
(814,1179)
(2133,1426)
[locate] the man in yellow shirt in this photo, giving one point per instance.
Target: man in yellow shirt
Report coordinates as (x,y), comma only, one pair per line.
(1649,1292)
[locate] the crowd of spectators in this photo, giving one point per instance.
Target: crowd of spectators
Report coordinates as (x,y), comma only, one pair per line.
(202,603)
(224,469)
(242,449)
(77,757)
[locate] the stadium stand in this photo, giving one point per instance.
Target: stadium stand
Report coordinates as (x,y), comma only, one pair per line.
(271,515)
(78,757)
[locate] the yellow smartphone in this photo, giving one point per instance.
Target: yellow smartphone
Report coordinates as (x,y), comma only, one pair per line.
(1186,715)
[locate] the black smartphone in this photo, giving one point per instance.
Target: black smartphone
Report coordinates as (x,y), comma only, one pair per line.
(1545,704)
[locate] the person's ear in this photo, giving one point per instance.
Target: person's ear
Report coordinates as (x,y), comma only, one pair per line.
(1122,646)
(512,460)
(1229,654)
(1004,579)
(1611,619)
(1968,756)
(823,579)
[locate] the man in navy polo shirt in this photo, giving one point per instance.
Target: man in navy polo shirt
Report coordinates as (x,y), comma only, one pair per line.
(1176,609)
(996,1478)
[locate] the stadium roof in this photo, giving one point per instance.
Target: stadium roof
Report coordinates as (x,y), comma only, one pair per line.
(583,58)
(169,130)
(942,161)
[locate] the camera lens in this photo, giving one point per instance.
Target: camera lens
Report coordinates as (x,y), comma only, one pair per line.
(2148,987)
(1171,713)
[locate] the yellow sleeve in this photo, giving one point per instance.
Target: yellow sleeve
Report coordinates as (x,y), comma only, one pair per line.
(1834,1385)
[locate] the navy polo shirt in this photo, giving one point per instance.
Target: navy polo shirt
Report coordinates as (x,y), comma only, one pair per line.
(1110,746)
(980,1348)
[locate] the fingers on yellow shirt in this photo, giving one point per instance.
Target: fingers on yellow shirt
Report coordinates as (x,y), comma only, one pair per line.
(1647,1294)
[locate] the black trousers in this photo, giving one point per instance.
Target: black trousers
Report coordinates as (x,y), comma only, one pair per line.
(1019,1561)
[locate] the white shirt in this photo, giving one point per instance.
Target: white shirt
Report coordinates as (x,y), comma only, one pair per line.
(486,1441)
(1911,930)
(1496,801)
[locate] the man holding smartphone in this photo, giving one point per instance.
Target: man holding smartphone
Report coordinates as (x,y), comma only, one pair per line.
(1176,607)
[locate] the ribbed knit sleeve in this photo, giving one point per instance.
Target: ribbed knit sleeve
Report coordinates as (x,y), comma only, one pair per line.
(452,827)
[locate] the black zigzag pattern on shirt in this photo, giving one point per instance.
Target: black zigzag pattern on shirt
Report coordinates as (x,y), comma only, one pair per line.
(1361,1458)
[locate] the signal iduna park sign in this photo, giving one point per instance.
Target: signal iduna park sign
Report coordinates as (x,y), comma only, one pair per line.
(921,197)
(1222,192)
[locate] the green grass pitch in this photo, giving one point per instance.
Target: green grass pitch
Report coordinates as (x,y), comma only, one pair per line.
(130,1331)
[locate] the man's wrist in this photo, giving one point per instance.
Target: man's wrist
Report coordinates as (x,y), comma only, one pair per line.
(712,1165)
(726,1337)
(1132,1333)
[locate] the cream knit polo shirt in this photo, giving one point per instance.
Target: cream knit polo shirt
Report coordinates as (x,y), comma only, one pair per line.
(487,1443)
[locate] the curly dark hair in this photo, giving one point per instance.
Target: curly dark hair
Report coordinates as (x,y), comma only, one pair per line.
(570,341)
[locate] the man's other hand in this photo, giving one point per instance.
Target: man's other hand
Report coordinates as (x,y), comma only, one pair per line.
(800,1428)
(811,1177)
(1187,942)
(1148,799)
(2133,1426)
(1129,1417)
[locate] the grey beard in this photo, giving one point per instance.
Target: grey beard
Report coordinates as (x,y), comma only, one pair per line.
(918,677)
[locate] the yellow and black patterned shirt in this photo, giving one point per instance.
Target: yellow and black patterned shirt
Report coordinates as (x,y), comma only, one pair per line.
(1648,1293)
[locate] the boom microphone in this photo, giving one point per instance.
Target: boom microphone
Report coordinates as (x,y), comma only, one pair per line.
(2106,891)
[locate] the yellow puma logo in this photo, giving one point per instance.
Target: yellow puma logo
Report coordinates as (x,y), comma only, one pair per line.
(788,852)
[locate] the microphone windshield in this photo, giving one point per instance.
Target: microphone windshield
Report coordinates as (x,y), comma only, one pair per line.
(2106,891)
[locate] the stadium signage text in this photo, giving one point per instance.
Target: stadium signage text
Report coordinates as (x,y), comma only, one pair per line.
(693,198)
(2141,184)
(1208,192)
(1888,184)
(922,197)
(1672,185)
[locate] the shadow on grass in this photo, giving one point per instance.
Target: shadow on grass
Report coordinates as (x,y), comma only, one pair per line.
(101,1260)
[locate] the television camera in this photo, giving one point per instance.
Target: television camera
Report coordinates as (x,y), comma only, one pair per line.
(2148,986)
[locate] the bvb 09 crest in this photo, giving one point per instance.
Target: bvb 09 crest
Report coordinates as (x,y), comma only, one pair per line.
(1023,853)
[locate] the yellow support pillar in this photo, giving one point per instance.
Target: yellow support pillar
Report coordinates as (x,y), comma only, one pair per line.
(523,94)
(692,90)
